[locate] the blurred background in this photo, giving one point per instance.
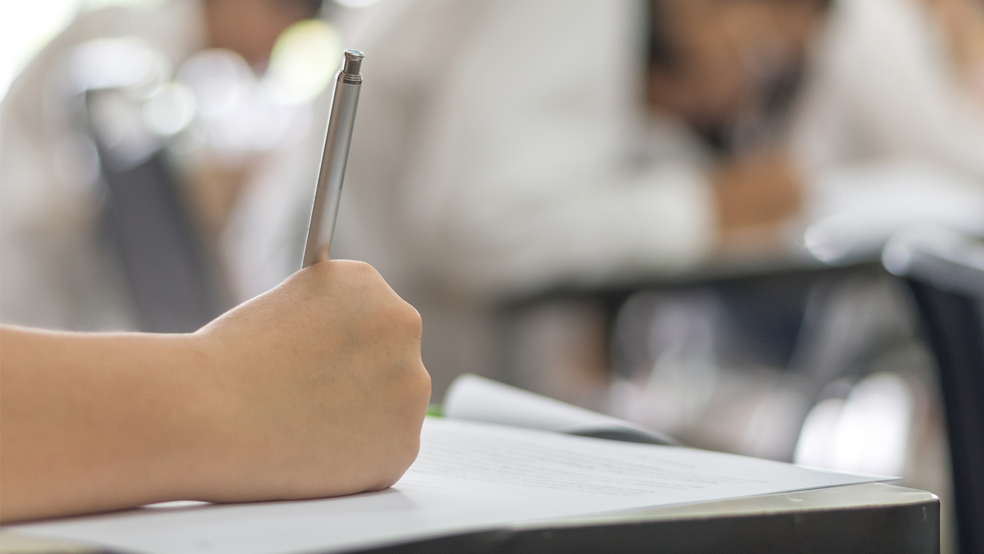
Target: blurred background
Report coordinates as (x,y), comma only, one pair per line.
(699,215)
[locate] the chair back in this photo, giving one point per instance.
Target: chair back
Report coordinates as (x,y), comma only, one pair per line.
(945,273)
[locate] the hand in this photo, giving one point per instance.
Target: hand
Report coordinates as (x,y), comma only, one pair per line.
(320,388)
(313,389)
(756,192)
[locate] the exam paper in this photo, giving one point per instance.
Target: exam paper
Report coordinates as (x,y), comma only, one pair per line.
(469,476)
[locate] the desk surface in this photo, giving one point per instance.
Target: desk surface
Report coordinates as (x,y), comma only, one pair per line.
(871,517)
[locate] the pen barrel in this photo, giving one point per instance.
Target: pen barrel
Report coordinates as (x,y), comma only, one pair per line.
(329,190)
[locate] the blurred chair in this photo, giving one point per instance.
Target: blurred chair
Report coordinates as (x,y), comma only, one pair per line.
(172,285)
(945,272)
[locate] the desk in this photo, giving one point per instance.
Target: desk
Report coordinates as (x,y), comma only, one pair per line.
(870,518)
(803,375)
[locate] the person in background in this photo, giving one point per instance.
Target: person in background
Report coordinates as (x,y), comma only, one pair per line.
(962,24)
(90,117)
(528,171)
(885,87)
(313,389)
(502,148)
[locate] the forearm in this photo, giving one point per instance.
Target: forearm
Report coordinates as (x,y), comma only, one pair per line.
(100,422)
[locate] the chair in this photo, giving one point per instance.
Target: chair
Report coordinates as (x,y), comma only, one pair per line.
(945,272)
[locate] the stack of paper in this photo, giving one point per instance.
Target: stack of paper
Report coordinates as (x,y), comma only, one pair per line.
(469,476)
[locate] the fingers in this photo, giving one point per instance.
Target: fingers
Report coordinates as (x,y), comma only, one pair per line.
(326,367)
(361,288)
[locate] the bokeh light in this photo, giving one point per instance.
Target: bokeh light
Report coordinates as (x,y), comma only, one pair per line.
(27,26)
(303,62)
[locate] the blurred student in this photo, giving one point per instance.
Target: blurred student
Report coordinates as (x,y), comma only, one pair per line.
(314,389)
(507,147)
(504,147)
(962,26)
(890,81)
(520,145)
(77,130)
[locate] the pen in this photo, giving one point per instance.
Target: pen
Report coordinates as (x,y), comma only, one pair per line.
(333,160)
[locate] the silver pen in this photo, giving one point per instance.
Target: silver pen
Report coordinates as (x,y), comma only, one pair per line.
(333,160)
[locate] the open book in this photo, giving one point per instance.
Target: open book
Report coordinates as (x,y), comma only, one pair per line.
(469,476)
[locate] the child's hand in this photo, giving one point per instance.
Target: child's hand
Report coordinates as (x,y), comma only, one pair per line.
(319,388)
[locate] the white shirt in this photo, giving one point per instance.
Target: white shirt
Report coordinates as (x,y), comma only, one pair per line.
(882,88)
(501,147)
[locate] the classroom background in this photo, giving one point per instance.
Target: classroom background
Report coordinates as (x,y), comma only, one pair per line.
(672,211)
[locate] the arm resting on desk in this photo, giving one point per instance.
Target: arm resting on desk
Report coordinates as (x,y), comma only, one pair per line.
(313,389)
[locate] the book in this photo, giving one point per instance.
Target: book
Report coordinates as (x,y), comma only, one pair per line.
(470,476)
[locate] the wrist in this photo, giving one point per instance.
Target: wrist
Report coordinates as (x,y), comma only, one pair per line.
(202,417)
(226,456)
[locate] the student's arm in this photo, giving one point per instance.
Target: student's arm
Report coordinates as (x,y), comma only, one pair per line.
(313,389)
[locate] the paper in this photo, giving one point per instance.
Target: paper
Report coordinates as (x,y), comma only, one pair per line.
(478,399)
(468,476)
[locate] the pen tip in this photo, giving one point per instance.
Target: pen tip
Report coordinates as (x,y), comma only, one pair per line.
(353,62)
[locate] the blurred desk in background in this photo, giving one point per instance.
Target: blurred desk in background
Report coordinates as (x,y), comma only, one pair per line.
(736,355)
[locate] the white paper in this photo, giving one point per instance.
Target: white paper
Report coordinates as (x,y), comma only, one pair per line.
(468,476)
(479,399)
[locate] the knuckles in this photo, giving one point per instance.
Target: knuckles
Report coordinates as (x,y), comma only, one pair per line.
(409,320)
(354,271)
(385,307)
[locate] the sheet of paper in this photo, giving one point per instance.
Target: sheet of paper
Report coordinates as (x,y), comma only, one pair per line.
(468,476)
(479,399)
